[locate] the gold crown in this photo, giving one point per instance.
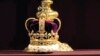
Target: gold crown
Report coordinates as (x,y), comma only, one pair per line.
(41,31)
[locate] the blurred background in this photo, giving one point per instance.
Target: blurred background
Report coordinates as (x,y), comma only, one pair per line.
(80,22)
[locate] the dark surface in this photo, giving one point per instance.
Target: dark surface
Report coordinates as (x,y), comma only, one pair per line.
(71,53)
(80,22)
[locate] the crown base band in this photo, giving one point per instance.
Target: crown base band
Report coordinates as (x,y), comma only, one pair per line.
(58,46)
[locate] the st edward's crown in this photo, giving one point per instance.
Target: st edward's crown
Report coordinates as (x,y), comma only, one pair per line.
(43,30)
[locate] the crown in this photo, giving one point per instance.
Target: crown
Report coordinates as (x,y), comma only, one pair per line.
(43,30)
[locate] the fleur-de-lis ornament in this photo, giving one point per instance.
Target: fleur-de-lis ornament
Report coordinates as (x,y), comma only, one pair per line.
(43,30)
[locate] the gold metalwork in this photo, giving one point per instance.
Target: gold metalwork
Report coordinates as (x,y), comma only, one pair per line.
(42,37)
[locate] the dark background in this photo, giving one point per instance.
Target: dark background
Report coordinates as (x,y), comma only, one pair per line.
(80,22)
